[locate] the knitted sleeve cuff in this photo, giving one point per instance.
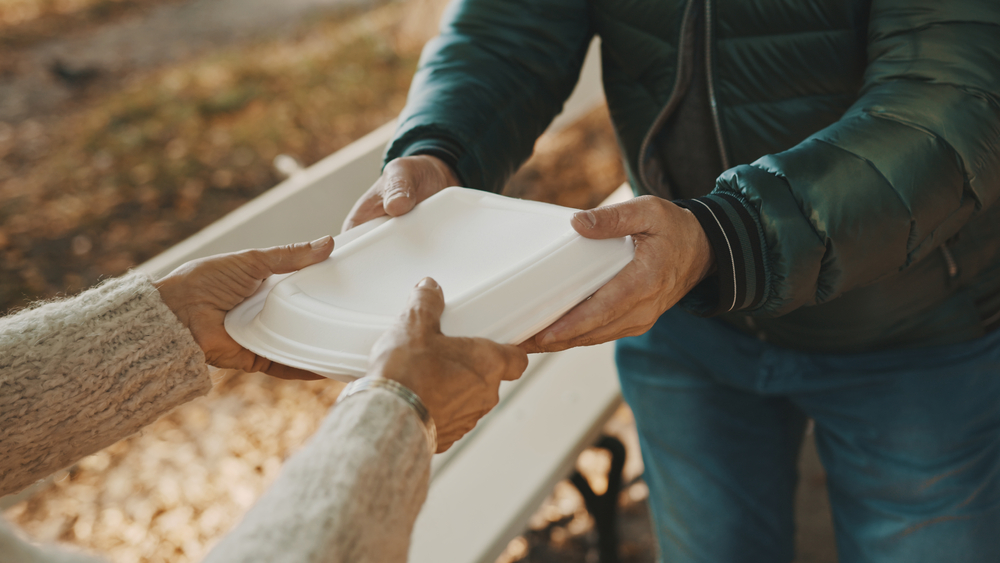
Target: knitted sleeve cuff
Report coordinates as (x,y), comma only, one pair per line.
(741,281)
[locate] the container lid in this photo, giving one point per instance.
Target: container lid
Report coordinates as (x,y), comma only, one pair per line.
(508,268)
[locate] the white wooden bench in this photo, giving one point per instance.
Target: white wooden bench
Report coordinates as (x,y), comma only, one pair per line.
(483,493)
(484,490)
(314,202)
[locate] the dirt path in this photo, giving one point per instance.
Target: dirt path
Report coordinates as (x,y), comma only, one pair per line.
(54,72)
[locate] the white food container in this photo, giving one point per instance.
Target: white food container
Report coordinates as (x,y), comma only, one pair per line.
(508,268)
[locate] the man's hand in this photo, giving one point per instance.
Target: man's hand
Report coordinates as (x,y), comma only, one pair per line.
(672,254)
(404,183)
(458,379)
(201,292)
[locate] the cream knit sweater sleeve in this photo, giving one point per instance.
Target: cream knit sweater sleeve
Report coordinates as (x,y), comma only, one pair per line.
(351,494)
(79,374)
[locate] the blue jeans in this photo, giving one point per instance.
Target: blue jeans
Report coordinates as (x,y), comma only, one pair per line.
(910,440)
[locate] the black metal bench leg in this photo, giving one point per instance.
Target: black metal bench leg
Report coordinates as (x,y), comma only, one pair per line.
(604,508)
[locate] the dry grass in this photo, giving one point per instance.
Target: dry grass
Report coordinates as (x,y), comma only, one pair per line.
(116,182)
(26,22)
(169,493)
(15,12)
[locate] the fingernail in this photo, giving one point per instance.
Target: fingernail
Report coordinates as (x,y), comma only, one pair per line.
(320,242)
(428,282)
(587,218)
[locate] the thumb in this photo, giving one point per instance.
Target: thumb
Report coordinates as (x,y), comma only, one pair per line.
(618,220)
(292,257)
(426,305)
(399,193)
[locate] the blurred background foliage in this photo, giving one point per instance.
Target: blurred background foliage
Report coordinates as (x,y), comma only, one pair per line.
(105,163)
(133,164)
(132,171)
(128,125)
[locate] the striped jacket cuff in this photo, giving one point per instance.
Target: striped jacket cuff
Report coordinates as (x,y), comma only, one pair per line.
(741,280)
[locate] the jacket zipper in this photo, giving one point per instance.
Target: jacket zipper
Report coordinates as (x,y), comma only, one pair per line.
(711,85)
(686,23)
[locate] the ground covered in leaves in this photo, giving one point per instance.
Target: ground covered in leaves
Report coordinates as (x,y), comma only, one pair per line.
(118,180)
(130,163)
(125,172)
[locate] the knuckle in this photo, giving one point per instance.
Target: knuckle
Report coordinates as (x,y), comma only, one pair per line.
(615,217)
(486,355)
(285,253)
(411,317)
(516,358)
(255,364)
(396,184)
(608,316)
(258,262)
(258,256)
(421,318)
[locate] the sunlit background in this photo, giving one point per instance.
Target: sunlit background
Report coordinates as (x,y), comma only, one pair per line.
(128,125)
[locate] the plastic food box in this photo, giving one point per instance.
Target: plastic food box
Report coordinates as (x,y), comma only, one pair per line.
(508,268)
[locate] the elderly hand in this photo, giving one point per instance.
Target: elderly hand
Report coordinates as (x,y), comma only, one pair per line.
(458,379)
(201,292)
(672,255)
(404,183)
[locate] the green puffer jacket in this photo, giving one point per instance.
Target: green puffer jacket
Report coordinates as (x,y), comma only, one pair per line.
(860,142)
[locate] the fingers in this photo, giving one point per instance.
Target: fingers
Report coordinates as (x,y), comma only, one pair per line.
(365,209)
(531,346)
(237,357)
(635,216)
(393,194)
(608,303)
(619,328)
(513,362)
(405,181)
(425,307)
(499,362)
(635,320)
(282,371)
(285,259)
(459,428)
(398,190)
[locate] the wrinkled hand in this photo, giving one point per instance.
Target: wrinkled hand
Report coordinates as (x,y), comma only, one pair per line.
(201,292)
(672,254)
(404,183)
(458,379)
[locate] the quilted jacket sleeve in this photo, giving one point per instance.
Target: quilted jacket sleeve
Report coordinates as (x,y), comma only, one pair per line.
(903,170)
(491,82)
